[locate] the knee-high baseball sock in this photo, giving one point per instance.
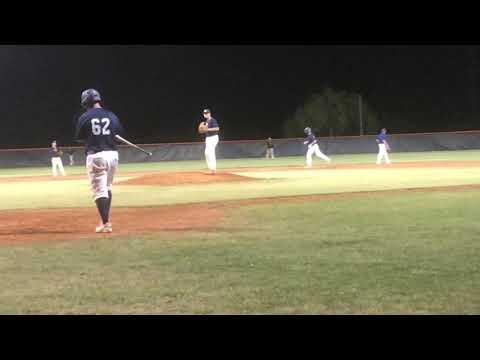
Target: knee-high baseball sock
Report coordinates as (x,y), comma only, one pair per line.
(109,203)
(109,200)
(102,206)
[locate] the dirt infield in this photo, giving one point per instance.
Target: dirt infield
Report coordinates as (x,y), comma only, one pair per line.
(63,224)
(399,165)
(182,178)
(26,226)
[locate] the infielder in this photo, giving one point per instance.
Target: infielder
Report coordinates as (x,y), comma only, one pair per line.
(211,141)
(56,154)
(269,153)
(70,156)
(97,128)
(313,148)
(383,147)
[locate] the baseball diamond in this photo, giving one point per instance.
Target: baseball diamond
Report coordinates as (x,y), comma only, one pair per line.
(279,179)
(176,226)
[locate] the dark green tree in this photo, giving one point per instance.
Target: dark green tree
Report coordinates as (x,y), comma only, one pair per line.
(332,113)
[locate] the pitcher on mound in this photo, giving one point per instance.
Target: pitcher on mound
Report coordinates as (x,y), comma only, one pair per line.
(211,141)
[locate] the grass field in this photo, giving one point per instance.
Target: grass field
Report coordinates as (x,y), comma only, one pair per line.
(383,250)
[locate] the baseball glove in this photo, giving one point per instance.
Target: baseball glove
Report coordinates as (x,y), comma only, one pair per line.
(202,128)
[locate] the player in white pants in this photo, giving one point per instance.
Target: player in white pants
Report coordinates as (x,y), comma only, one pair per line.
(270,152)
(383,147)
(313,148)
(101,169)
(97,128)
(211,141)
(56,159)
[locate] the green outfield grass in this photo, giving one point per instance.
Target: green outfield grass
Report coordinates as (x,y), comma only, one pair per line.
(377,253)
(398,254)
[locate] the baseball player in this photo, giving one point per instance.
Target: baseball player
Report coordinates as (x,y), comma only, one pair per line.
(269,153)
(211,141)
(97,128)
(70,156)
(56,154)
(313,148)
(383,147)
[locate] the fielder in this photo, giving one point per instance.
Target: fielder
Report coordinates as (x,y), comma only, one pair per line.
(383,147)
(97,128)
(211,141)
(56,154)
(313,148)
(70,157)
(269,153)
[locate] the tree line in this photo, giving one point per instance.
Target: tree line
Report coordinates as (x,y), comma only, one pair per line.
(333,113)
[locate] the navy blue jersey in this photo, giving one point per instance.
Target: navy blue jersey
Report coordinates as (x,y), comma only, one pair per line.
(381,138)
(97,128)
(310,140)
(212,123)
(55,152)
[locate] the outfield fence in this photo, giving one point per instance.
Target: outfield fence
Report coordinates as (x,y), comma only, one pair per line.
(462,140)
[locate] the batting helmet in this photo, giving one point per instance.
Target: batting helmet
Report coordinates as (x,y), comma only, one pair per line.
(90,97)
(307,131)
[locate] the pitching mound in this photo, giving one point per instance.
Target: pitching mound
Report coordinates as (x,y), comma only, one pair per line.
(181,178)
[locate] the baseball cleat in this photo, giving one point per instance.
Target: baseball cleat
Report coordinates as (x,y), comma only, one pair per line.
(104,228)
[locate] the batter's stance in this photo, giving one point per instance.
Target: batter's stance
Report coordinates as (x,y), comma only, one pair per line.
(313,148)
(211,141)
(97,127)
(383,147)
(56,154)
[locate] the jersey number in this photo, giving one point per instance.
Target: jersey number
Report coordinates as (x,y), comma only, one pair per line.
(97,129)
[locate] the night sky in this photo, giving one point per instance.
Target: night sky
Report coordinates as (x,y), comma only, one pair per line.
(159,91)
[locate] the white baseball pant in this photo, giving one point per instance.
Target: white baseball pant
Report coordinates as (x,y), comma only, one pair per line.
(314,149)
(210,145)
(57,162)
(269,153)
(382,154)
(101,180)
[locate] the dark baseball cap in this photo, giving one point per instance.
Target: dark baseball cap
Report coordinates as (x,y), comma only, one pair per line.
(206,111)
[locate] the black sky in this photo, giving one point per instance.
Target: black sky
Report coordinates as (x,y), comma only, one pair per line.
(158,92)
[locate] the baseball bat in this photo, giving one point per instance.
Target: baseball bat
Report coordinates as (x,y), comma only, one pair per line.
(133,145)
